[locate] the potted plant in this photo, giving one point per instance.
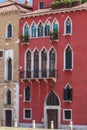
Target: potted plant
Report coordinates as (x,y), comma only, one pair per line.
(24,38)
(54,36)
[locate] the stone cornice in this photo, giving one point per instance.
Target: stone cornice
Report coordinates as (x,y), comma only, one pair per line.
(56,11)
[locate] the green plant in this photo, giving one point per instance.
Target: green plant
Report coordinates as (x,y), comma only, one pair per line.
(24,38)
(53,35)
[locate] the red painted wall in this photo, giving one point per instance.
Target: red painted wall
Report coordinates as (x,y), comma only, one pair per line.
(77,77)
(47,3)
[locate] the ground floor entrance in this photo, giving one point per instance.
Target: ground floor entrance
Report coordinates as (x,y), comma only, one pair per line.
(52,110)
(8,117)
(52,115)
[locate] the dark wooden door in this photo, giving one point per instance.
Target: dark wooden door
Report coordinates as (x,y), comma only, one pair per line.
(52,116)
(8,114)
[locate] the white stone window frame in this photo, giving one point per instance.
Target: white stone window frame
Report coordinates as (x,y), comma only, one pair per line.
(49,23)
(40,60)
(43,29)
(31,30)
(39,4)
(54,22)
(65,88)
(24,27)
(67,34)
(24,113)
(64,114)
(6,32)
(55,59)
(25,61)
(64,58)
(8,54)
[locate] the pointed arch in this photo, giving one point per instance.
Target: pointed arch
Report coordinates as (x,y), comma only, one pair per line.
(68,26)
(52,99)
(8,97)
(9,30)
(67,93)
(27,93)
(36,63)
(68,58)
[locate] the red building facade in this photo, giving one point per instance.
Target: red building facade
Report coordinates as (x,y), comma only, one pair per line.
(53,72)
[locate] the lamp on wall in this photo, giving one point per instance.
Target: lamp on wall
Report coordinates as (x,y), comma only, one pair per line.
(52,85)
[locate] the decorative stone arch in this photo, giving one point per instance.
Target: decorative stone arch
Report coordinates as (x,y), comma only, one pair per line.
(52,104)
(6,34)
(55,21)
(65,25)
(26,23)
(31,28)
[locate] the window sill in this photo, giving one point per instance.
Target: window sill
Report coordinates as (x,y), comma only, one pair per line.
(8,81)
(8,38)
(67,34)
(26,101)
(67,69)
(67,101)
(39,37)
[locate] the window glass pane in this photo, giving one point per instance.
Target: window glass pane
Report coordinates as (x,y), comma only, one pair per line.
(9,31)
(27,114)
(36,63)
(27,94)
(33,30)
(67,114)
(47,30)
(40,30)
(68,26)
(28,64)
(41,5)
(26,30)
(44,63)
(68,58)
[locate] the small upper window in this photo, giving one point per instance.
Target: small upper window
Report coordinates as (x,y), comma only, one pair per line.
(41,5)
(9,31)
(68,26)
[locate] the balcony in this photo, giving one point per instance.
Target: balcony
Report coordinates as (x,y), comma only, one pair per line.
(30,75)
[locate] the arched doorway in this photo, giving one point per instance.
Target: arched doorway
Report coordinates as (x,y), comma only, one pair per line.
(52,110)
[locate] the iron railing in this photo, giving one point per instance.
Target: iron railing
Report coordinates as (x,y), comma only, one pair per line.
(39,74)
